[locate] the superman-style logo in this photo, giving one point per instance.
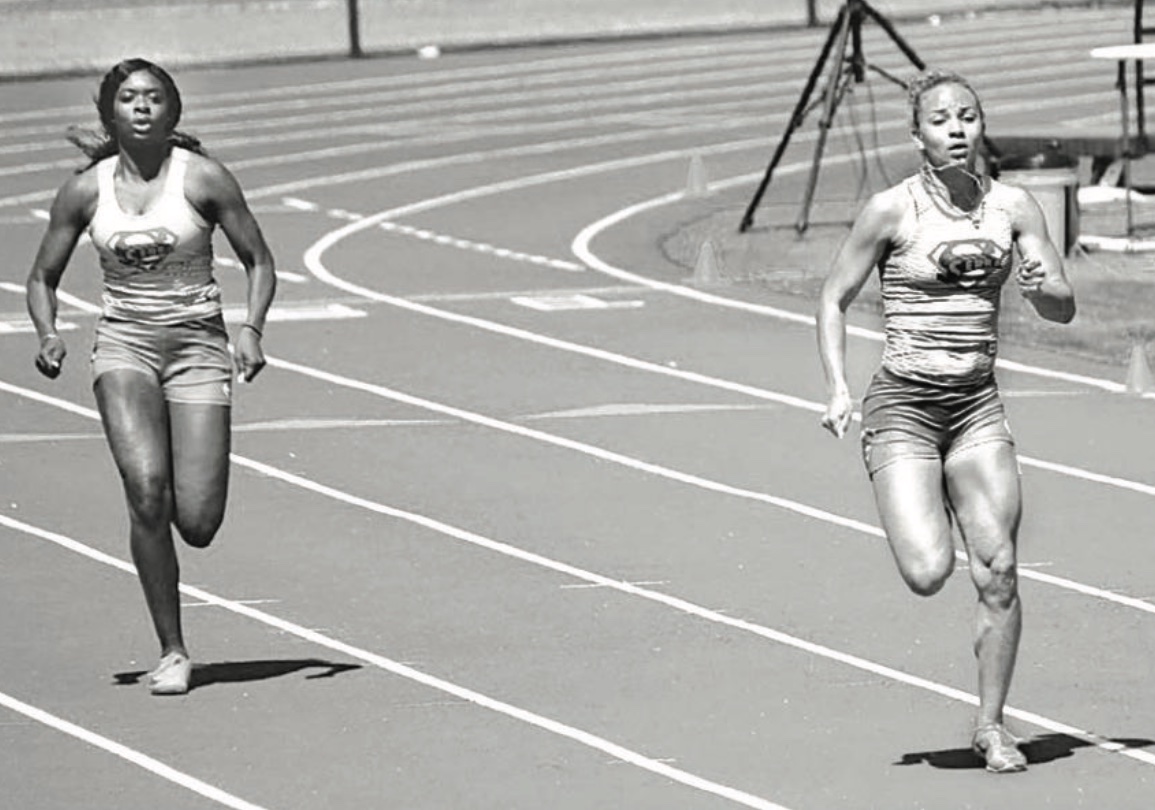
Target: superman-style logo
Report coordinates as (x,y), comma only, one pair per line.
(143,250)
(970,262)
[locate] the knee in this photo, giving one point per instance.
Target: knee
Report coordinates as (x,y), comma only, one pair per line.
(149,499)
(997,578)
(926,575)
(198,533)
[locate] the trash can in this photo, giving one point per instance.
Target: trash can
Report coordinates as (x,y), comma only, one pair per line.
(1052,178)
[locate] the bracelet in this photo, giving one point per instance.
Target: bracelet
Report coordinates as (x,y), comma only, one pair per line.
(49,336)
(248,325)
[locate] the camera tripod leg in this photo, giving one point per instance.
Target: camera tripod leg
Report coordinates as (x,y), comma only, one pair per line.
(847,68)
(800,110)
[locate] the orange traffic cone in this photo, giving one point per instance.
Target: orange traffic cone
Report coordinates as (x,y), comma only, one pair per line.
(706,270)
(696,183)
(1138,371)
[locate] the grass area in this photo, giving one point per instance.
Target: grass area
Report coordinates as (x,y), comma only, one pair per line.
(1115,292)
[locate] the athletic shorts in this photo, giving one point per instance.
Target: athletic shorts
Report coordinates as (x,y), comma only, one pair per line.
(190,361)
(904,419)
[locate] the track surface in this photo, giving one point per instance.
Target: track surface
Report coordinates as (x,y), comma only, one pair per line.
(520,519)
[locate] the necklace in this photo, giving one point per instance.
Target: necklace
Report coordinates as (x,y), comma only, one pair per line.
(949,182)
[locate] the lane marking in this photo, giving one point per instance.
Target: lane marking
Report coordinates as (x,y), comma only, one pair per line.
(480,247)
(321,423)
(297,311)
(664,472)
(315,264)
(22,325)
(400,669)
(303,312)
(572,302)
(592,578)
(505,296)
(153,766)
(282,275)
(581,248)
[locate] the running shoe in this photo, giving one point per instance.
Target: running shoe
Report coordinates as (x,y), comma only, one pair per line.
(171,676)
(999,748)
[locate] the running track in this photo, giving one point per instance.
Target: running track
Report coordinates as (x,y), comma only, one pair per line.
(519,519)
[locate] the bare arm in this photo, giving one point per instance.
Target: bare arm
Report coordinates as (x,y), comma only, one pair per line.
(1041,277)
(218,195)
(872,232)
(71,211)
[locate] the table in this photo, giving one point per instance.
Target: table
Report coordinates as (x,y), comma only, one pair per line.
(1122,54)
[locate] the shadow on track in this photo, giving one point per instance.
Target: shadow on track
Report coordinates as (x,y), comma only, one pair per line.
(1039,751)
(246,671)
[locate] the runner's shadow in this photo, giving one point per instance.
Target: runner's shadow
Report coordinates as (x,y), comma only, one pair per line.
(1038,750)
(246,671)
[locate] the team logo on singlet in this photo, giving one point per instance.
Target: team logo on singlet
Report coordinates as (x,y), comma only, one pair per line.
(143,250)
(969,263)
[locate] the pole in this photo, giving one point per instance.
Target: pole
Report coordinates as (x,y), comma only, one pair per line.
(354,16)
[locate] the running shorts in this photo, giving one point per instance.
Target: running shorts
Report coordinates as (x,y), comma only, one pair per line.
(190,360)
(904,419)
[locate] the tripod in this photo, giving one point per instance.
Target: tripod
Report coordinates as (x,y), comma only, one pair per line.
(845,70)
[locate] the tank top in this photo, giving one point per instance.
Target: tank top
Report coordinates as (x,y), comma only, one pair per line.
(942,326)
(158,265)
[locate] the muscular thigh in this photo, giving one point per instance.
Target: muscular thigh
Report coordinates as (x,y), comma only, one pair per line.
(200,459)
(135,418)
(913,510)
(984,489)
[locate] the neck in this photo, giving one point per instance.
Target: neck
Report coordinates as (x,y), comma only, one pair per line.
(143,161)
(960,184)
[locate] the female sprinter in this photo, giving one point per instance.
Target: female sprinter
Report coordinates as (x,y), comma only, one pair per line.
(934,437)
(150,200)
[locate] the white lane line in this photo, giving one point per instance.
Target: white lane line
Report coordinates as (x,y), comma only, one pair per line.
(572,302)
(585,576)
(22,325)
(481,247)
(153,766)
(667,473)
(313,261)
(305,311)
(341,311)
(581,249)
(783,503)
(400,669)
(315,264)
(507,295)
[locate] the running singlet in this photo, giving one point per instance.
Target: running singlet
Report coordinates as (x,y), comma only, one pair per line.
(158,266)
(941,284)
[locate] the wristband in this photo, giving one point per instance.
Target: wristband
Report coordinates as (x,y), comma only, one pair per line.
(49,336)
(247,325)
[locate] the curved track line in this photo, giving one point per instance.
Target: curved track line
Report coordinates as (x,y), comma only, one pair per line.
(315,264)
(582,250)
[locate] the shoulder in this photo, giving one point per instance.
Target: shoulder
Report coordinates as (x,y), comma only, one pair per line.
(77,196)
(1013,197)
(210,187)
(207,172)
(884,211)
(1023,208)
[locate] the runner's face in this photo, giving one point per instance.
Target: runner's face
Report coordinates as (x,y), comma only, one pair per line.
(950,126)
(142,111)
